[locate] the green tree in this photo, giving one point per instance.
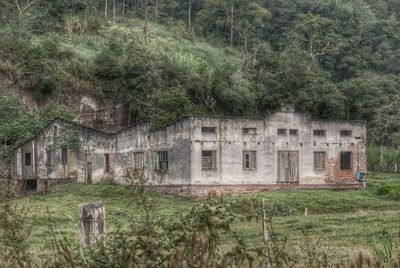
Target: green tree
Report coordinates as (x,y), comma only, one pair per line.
(169,105)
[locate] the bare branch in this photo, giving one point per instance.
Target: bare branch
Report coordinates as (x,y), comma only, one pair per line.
(27,5)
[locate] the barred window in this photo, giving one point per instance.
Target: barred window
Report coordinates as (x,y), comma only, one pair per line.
(64,156)
(319,161)
(249,131)
(282,131)
(293,132)
(345,160)
(161,161)
(138,161)
(209,160)
(208,129)
(345,133)
(249,159)
(319,132)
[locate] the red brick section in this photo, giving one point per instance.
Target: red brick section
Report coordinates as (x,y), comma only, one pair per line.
(336,175)
(205,190)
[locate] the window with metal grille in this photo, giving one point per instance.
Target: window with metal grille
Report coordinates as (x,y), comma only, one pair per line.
(281,131)
(64,156)
(319,132)
(161,161)
(208,129)
(293,132)
(249,131)
(209,160)
(106,162)
(249,159)
(345,160)
(319,161)
(138,161)
(345,133)
(28,159)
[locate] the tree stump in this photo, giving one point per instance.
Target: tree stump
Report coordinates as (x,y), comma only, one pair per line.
(92,218)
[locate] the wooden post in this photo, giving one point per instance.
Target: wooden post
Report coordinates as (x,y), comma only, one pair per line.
(92,218)
(265,221)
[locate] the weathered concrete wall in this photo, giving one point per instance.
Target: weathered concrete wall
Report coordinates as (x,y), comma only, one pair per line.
(175,139)
(230,142)
(43,151)
(184,141)
(94,145)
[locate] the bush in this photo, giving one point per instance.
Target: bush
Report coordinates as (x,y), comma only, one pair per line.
(279,209)
(45,86)
(390,190)
(14,233)
(107,67)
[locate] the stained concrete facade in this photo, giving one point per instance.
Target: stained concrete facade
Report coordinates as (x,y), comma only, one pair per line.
(200,154)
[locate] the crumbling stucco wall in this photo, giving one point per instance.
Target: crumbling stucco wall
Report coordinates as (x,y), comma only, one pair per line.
(229,142)
(174,139)
(106,156)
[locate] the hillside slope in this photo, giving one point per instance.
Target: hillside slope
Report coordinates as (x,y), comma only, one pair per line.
(335,59)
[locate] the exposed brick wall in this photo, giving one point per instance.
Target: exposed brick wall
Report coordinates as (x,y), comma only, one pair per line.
(334,174)
(362,156)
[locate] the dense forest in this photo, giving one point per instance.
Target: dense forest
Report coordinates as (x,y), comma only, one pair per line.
(336,59)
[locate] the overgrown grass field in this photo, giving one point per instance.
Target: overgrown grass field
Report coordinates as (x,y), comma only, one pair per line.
(342,223)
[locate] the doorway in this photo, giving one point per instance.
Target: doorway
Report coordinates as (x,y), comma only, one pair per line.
(288,166)
(88,173)
(31,185)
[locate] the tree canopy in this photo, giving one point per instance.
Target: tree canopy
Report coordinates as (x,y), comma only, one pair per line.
(336,59)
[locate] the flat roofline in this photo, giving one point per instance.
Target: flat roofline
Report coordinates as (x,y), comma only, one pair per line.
(113,133)
(224,117)
(339,121)
(271,112)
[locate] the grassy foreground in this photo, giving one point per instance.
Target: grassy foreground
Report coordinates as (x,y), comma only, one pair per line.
(340,223)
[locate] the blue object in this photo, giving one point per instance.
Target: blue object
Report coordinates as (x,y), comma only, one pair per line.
(362,177)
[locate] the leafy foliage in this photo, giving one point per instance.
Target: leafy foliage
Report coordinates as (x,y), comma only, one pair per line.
(390,190)
(335,59)
(18,126)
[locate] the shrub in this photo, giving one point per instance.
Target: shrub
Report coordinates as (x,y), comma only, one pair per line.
(390,190)
(279,209)
(14,247)
(45,86)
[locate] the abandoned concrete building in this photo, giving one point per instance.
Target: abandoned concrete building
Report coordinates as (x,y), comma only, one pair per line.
(199,154)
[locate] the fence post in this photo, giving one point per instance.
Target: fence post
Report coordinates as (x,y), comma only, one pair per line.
(92,219)
(265,221)
(305,211)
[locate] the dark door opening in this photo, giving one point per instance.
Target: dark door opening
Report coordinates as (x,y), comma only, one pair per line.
(31,185)
(89,173)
